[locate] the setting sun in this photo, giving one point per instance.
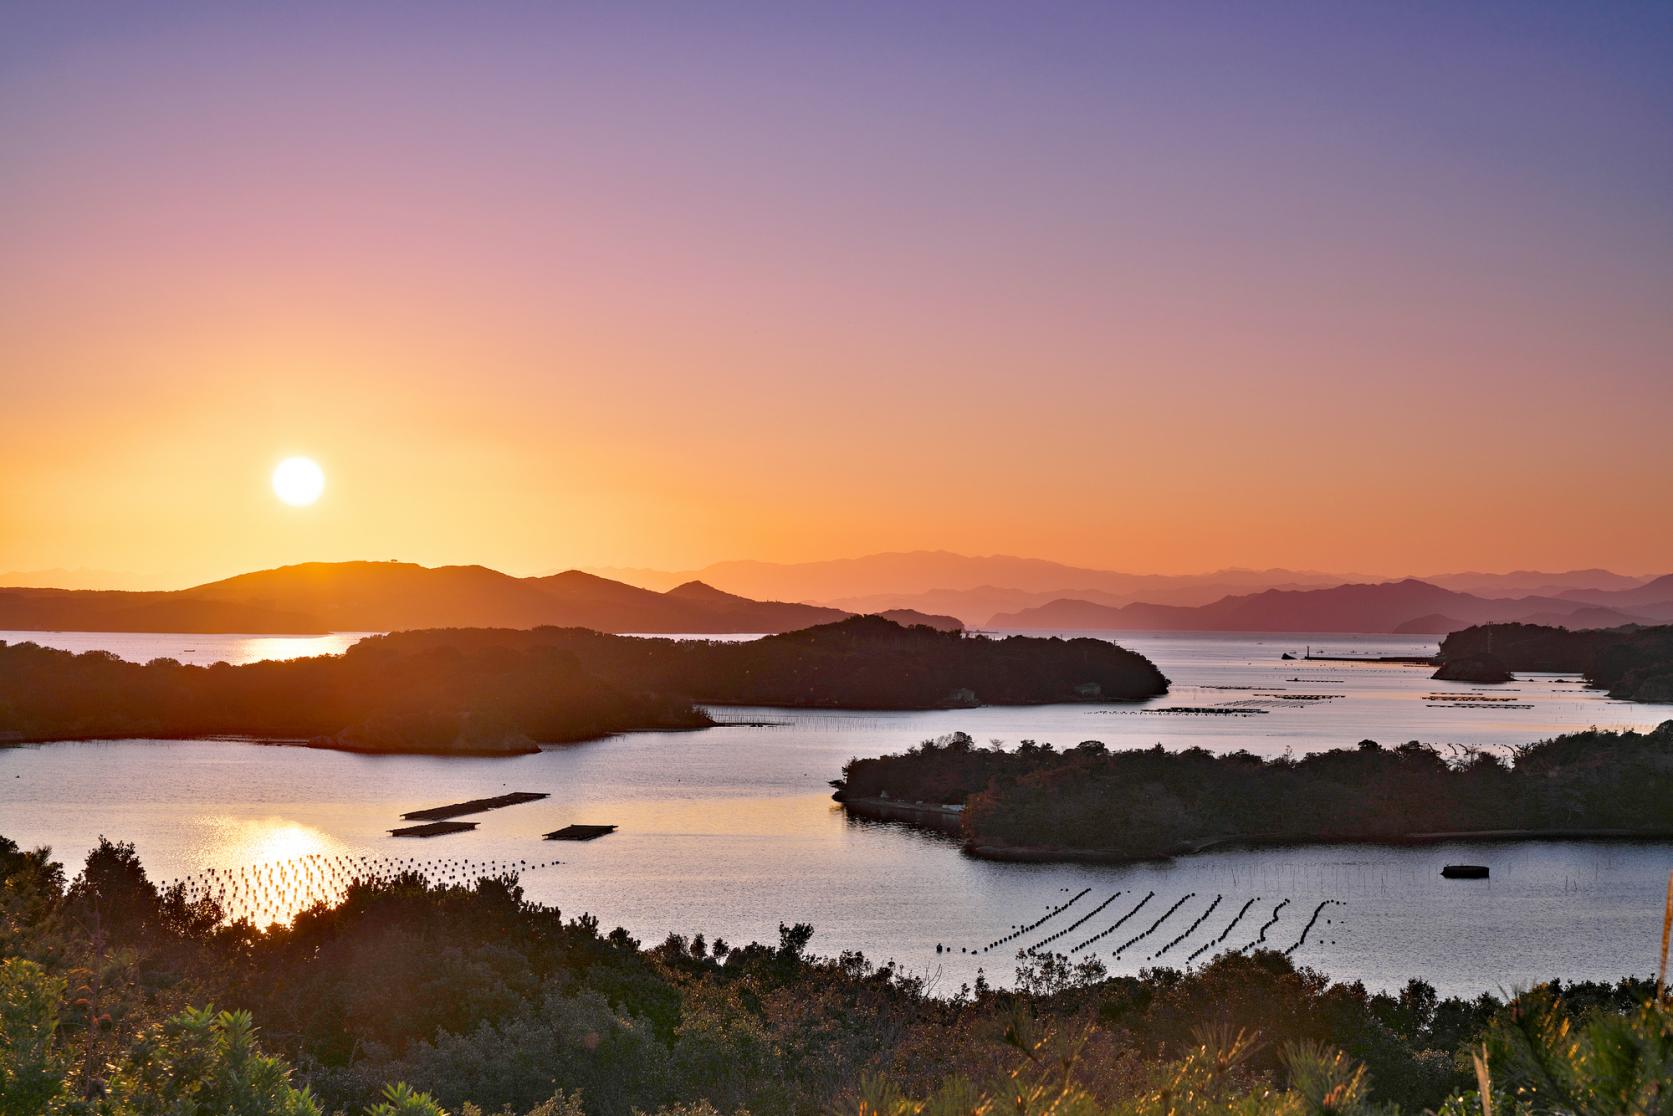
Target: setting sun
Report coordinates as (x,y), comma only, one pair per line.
(298,481)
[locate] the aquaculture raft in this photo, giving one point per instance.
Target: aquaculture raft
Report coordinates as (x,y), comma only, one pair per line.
(580,832)
(474,806)
(432,829)
(1465,871)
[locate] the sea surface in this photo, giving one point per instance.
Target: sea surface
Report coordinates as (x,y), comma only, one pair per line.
(730,831)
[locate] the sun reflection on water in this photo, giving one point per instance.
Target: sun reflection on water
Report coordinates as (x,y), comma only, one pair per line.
(259,841)
(269,870)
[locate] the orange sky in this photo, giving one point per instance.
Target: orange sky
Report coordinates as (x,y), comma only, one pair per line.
(1379,292)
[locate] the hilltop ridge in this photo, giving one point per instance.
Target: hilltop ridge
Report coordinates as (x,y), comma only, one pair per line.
(315,597)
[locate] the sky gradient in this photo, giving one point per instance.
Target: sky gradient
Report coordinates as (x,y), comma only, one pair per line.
(1168,287)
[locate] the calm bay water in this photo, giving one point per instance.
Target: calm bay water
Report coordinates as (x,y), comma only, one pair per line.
(730,831)
(191,647)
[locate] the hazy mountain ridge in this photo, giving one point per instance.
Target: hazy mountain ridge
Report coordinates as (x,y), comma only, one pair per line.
(978,589)
(1408,606)
(923,571)
(1652,592)
(1532,583)
(387,596)
(384,596)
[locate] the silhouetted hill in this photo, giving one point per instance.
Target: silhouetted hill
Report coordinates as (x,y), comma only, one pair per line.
(367,596)
(388,596)
(864,662)
(922,571)
(911,618)
(1658,591)
(1589,616)
(1385,607)
(1532,583)
(1632,663)
(376,697)
(975,588)
(694,591)
(1431,624)
(975,607)
(1483,668)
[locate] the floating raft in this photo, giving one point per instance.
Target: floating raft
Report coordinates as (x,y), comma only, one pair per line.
(580,832)
(432,829)
(474,806)
(1465,871)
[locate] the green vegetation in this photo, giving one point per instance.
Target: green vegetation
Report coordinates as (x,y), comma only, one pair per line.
(407,997)
(1632,663)
(374,698)
(1088,800)
(865,662)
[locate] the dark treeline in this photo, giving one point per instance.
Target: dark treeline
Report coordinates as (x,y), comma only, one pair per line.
(498,689)
(475,996)
(1632,663)
(375,697)
(1157,802)
(865,662)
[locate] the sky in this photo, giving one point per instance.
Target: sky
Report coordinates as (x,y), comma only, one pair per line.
(1160,287)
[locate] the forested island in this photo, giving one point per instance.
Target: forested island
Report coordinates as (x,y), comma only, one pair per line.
(1632,663)
(503,691)
(865,662)
(1086,802)
(372,699)
(121,997)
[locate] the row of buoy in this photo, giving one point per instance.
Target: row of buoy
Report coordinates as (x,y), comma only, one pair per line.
(1075,925)
(1154,925)
(1189,930)
(1039,948)
(1020,931)
(1265,926)
(1224,934)
(1305,930)
(1100,935)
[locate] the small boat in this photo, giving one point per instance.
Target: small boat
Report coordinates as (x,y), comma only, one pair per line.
(1465,871)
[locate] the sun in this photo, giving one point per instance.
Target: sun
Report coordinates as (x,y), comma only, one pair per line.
(298,481)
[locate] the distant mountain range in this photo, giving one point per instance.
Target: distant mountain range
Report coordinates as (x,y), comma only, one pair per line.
(934,587)
(1408,606)
(1004,591)
(389,596)
(1532,583)
(1649,593)
(901,574)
